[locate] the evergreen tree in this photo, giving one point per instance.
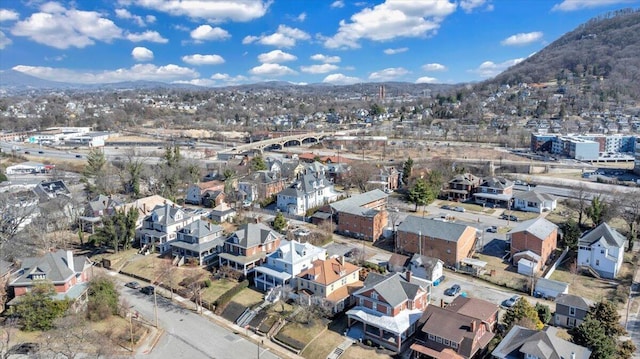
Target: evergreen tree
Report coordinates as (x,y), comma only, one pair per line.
(103,298)
(571,234)
(279,223)
(407,168)
(419,194)
(93,170)
(591,334)
(258,164)
(597,211)
(37,310)
(522,312)
(544,313)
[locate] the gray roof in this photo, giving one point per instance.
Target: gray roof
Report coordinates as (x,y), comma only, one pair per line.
(436,229)
(541,344)
(428,263)
(611,237)
(200,229)
(466,178)
(533,196)
(394,288)
(307,183)
(496,182)
(540,227)
(575,301)
(52,265)
(253,234)
(353,203)
(166,214)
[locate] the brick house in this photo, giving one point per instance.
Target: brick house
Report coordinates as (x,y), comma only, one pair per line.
(161,226)
(387,178)
(213,198)
(570,310)
(261,185)
(462,329)
(537,235)
(462,187)
(248,247)
(69,274)
(494,191)
(362,216)
(331,280)
(388,308)
(196,191)
(447,241)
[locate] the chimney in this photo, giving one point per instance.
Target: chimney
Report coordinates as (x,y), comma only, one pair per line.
(69,255)
(473,326)
(573,355)
(409,276)
(342,260)
(144,207)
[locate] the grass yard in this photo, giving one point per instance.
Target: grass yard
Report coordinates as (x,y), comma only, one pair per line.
(248,297)
(303,333)
(328,341)
(218,287)
(357,352)
(585,286)
(504,274)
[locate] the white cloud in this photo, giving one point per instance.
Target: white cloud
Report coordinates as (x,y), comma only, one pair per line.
(276,57)
(198,59)
(208,33)
(214,11)
(285,36)
(426,80)
(318,69)
(58,27)
(491,69)
(147,72)
(142,54)
(469,5)
(434,67)
(197,82)
(572,5)
(139,20)
(325,58)
(337,4)
(340,79)
(8,15)
(396,51)
(302,17)
(272,70)
(151,36)
(390,20)
(388,74)
(522,39)
(4,40)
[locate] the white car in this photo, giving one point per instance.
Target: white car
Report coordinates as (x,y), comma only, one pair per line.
(458,209)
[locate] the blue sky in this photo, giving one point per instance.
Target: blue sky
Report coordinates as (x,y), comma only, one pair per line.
(226,42)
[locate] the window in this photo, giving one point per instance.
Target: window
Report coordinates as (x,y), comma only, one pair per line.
(446,342)
(602,251)
(454,345)
(374,295)
(597,262)
(438,340)
(432,337)
(572,311)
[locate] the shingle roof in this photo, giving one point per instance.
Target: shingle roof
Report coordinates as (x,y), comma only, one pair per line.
(610,237)
(575,301)
(540,227)
(436,229)
(533,196)
(329,271)
(168,214)
(253,234)
(201,229)
(496,182)
(542,344)
(355,202)
(53,265)
(394,288)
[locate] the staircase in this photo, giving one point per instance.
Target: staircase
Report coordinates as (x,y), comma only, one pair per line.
(592,272)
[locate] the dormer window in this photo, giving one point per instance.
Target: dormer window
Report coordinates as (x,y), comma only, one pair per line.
(374,295)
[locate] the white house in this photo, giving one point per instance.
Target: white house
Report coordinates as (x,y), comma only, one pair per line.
(532,201)
(428,268)
(285,263)
(309,191)
(161,227)
(602,249)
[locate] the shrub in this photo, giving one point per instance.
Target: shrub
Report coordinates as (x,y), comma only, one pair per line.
(225,298)
(207,283)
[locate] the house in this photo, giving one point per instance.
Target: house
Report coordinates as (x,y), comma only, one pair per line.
(523,343)
(197,190)
(331,280)
(462,187)
(212,198)
(362,216)
(532,201)
(283,265)
(537,236)
(462,329)
(161,227)
(494,191)
(144,206)
(68,273)
(389,307)
(549,288)
(309,191)
(447,241)
(602,250)
(570,310)
(199,241)
(261,185)
(248,247)
(47,190)
(398,263)
(222,213)
(386,178)
(428,268)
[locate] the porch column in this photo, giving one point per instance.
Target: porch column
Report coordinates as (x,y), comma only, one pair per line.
(398,342)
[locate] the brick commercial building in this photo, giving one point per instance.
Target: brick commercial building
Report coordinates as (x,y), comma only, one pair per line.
(449,242)
(362,216)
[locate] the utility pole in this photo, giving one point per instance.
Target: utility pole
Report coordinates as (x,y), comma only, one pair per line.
(131,329)
(155,304)
(420,242)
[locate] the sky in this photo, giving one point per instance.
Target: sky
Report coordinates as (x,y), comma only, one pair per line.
(229,42)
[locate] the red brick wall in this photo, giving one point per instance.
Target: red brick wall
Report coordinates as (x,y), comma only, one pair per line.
(371,228)
(524,240)
(449,252)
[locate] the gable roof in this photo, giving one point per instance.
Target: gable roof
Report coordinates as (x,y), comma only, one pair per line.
(542,344)
(428,263)
(254,234)
(473,307)
(53,265)
(200,229)
(359,200)
(329,270)
(496,182)
(394,288)
(293,251)
(145,205)
(539,227)
(533,196)
(466,179)
(306,184)
(575,301)
(436,229)
(168,214)
(610,237)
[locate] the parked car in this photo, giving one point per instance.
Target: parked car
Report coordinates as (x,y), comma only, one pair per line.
(133,285)
(27,152)
(148,290)
(511,301)
(504,216)
(41,152)
(302,232)
(492,229)
(453,290)
(513,218)
(78,156)
(458,209)
(446,206)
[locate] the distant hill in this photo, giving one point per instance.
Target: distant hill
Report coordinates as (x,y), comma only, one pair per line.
(606,47)
(11,80)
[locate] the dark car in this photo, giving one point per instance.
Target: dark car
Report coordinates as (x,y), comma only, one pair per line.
(78,156)
(133,285)
(453,290)
(504,216)
(27,152)
(513,218)
(446,206)
(148,290)
(40,152)
(492,229)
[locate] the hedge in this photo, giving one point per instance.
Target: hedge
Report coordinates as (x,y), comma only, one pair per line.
(225,298)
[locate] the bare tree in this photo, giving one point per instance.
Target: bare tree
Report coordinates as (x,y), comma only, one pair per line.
(630,213)
(74,338)
(7,332)
(579,203)
(16,213)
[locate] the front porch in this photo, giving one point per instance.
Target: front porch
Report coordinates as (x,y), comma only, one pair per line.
(240,263)
(267,278)
(390,332)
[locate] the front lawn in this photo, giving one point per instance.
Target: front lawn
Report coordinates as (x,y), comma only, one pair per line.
(298,335)
(248,297)
(323,345)
(217,288)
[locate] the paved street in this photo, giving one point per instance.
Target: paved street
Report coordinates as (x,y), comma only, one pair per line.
(187,334)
